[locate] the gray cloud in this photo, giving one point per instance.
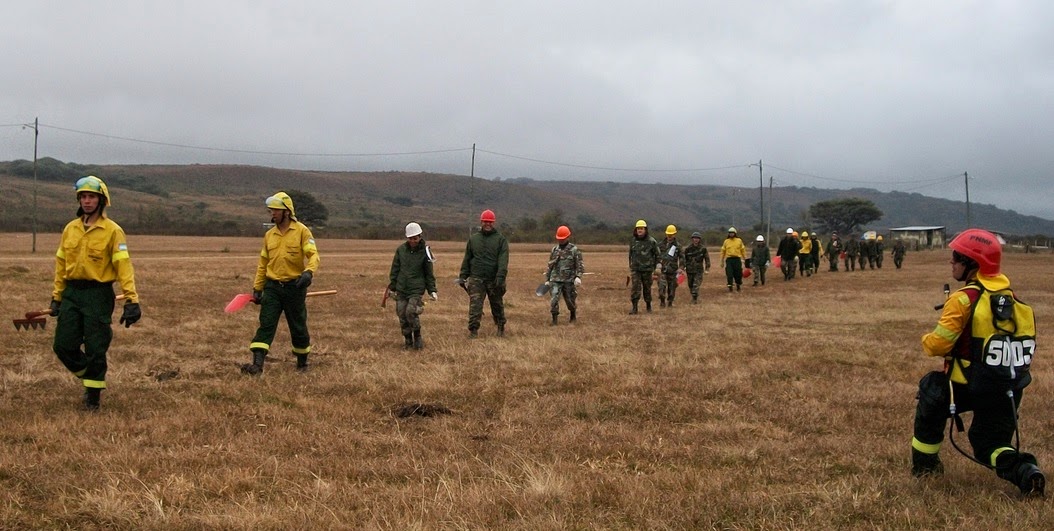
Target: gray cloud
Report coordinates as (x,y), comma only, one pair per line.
(886,95)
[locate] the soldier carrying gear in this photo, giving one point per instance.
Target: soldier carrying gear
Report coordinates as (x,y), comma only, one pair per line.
(643,257)
(671,262)
(696,263)
(483,271)
(410,277)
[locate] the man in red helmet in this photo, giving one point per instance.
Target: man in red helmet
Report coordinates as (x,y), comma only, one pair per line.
(564,274)
(483,272)
(987,338)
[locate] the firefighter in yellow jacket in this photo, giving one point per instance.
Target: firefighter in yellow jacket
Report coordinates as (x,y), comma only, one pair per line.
(92,256)
(288,262)
(987,338)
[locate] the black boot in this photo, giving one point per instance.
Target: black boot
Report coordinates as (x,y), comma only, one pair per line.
(647,306)
(501,330)
(418,342)
(91,398)
(662,302)
(555,315)
(408,341)
(1022,470)
(925,464)
(256,367)
(301,362)
(572,318)
(633,311)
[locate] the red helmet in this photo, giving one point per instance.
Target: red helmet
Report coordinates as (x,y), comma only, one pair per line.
(982,247)
(563,233)
(487,215)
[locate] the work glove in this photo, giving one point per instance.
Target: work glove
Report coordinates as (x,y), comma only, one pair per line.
(547,283)
(55,305)
(461,282)
(257,296)
(304,281)
(434,295)
(131,314)
(578,281)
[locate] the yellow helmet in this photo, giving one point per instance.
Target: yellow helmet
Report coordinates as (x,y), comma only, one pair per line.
(94,185)
(879,237)
(671,230)
(641,223)
(804,234)
(281,201)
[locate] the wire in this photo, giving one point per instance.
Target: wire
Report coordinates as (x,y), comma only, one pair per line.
(252,151)
(912,181)
(605,168)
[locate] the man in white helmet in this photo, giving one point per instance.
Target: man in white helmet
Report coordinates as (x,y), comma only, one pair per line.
(759,259)
(411,276)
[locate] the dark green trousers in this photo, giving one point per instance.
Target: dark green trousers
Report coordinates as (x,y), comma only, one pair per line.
(279,298)
(84,320)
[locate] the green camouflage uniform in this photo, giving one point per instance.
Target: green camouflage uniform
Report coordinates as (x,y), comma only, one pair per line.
(643,256)
(671,259)
(565,265)
(410,277)
(483,270)
(696,262)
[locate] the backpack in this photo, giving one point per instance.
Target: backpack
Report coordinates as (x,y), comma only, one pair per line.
(1002,342)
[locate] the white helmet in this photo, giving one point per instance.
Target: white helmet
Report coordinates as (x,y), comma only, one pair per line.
(790,230)
(413,229)
(760,238)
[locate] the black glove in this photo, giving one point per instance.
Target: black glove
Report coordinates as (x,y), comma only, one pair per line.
(304,281)
(131,314)
(55,305)
(257,296)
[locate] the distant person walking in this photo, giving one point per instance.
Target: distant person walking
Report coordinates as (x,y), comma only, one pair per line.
(643,257)
(879,251)
(834,251)
(287,265)
(898,252)
(410,277)
(483,272)
(815,252)
(788,253)
(805,255)
(696,264)
(671,262)
(733,252)
(759,259)
(852,248)
(92,255)
(564,275)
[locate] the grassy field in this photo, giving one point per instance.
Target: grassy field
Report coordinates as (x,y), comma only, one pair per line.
(787,406)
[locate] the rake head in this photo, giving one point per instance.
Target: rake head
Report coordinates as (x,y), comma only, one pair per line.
(33,320)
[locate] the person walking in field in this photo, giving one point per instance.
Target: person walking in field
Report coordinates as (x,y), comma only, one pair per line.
(788,253)
(852,248)
(879,251)
(815,252)
(733,252)
(696,264)
(805,255)
(865,252)
(987,338)
(483,272)
(92,255)
(671,262)
(759,258)
(410,277)
(834,251)
(643,257)
(288,262)
(564,274)
(898,252)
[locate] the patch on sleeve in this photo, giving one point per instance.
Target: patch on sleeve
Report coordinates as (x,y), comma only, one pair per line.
(122,247)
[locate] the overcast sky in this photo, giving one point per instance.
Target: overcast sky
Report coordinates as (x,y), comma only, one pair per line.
(892,95)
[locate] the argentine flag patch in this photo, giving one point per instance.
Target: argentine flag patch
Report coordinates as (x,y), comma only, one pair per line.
(122,247)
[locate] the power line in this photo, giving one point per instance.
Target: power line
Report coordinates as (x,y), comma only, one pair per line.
(851,181)
(251,151)
(606,168)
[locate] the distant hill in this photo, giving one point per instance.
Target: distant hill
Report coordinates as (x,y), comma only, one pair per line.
(228,199)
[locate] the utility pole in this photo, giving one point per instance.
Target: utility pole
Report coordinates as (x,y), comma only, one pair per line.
(768,227)
(36,135)
(472,186)
(761,196)
(966,180)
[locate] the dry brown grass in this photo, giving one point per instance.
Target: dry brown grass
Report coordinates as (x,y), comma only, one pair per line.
(788,406)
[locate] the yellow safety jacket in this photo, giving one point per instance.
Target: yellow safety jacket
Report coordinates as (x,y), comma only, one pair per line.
(98,253)
(944,340)
(733,248)
(284,255)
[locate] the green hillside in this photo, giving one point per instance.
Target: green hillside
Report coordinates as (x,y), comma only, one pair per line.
(228,200)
